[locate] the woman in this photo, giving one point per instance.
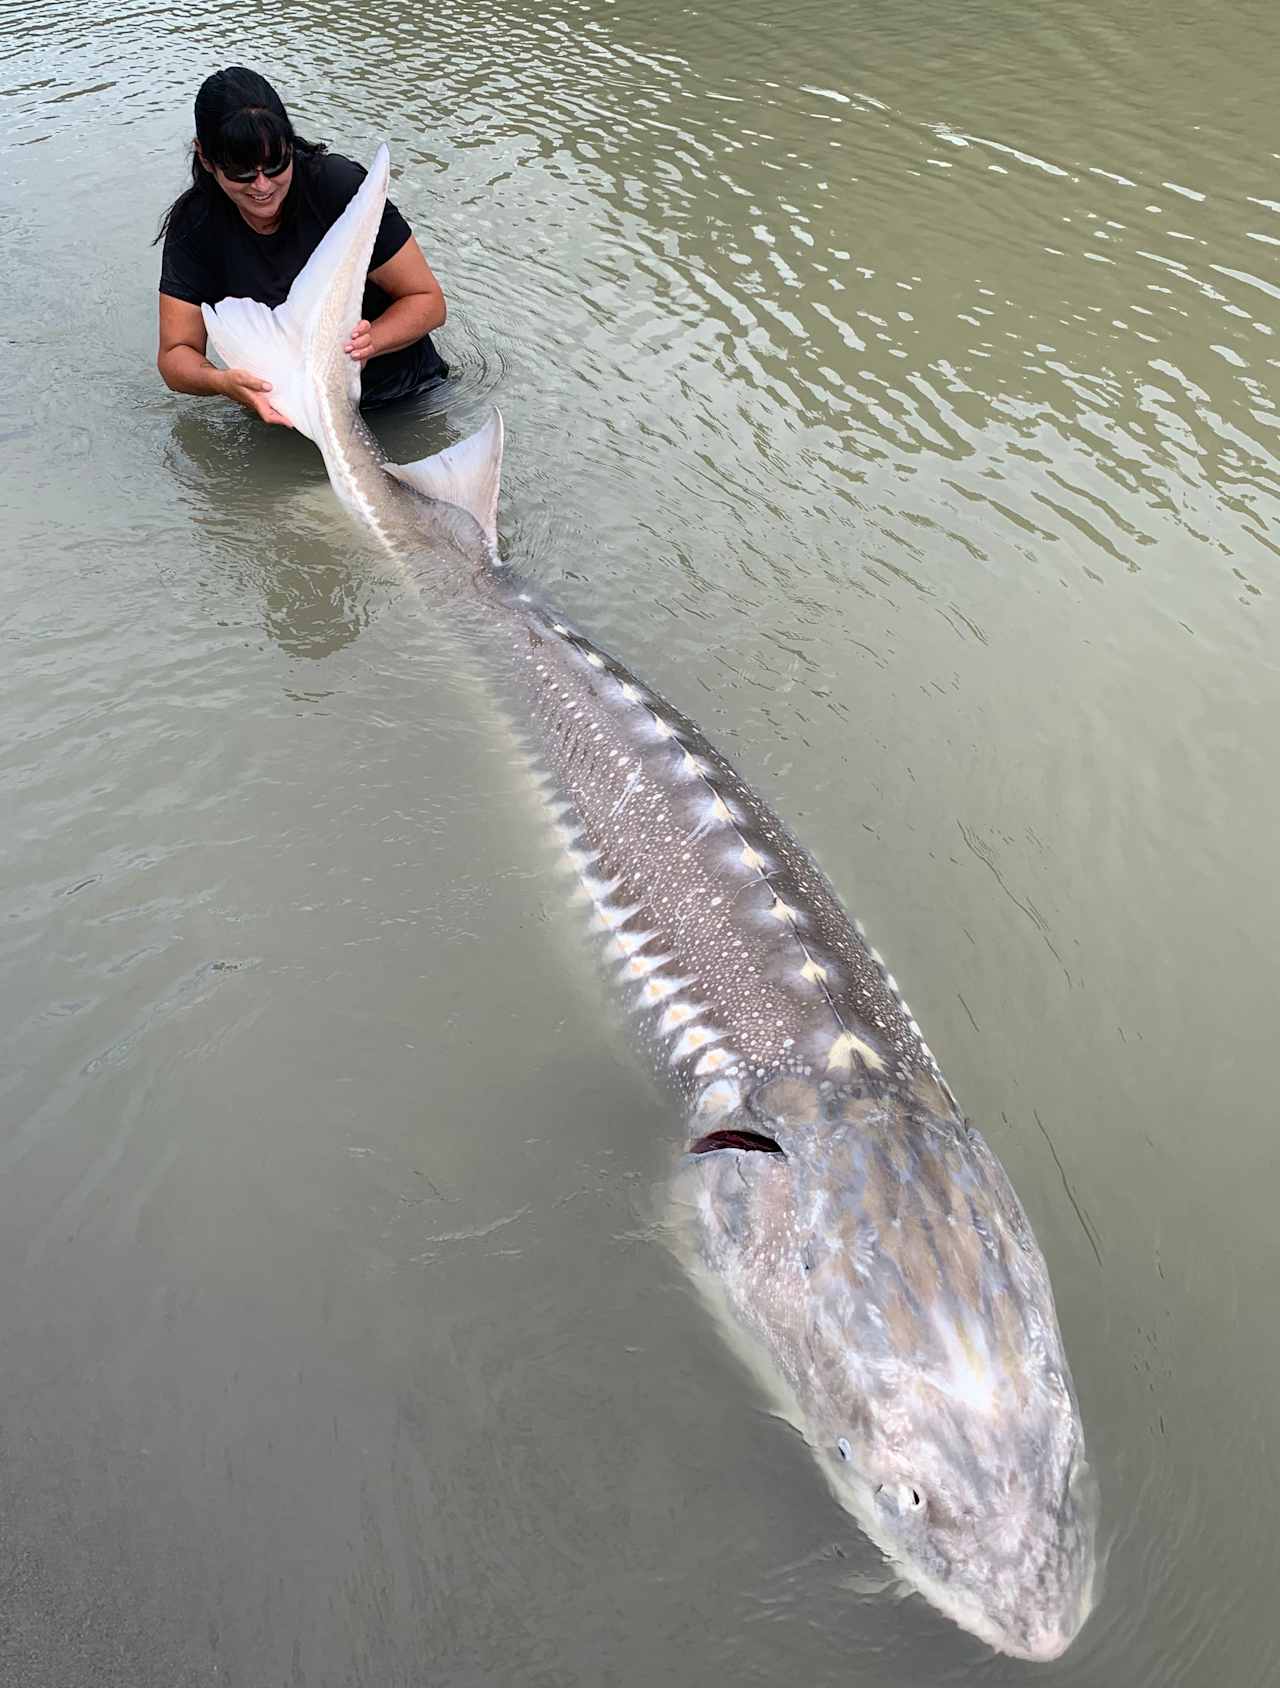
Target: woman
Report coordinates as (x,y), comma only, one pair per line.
(261,199)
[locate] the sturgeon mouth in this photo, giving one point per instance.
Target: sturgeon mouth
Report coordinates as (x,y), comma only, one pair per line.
(736,1139)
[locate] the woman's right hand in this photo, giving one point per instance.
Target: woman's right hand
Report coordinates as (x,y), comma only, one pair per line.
(251,391)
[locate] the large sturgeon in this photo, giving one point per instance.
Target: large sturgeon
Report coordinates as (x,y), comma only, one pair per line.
(863,1234)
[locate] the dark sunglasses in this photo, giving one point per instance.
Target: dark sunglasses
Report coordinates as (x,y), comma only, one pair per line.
(269,171)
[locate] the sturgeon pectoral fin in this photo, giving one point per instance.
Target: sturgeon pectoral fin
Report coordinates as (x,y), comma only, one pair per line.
(467,475)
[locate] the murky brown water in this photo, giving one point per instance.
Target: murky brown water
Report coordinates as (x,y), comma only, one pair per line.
(897,391)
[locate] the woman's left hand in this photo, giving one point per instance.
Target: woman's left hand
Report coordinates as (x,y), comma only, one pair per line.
(360,345)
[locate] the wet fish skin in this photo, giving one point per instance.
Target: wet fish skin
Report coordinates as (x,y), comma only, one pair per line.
(881,1259)
(858,1229)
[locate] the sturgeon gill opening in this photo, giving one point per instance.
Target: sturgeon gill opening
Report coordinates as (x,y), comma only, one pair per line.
(754,1140)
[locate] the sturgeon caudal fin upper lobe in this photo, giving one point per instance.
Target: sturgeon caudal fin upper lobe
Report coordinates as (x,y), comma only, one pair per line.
(298,347)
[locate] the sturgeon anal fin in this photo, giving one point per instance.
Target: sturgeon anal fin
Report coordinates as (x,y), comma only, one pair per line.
(467,475)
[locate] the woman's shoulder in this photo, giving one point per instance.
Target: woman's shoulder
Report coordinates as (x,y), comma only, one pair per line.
(331,179)
(190,264)
(189,220)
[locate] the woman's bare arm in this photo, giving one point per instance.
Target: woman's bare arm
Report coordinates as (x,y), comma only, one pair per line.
(417,305)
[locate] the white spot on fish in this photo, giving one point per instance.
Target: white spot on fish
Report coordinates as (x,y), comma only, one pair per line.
(679,1014)
(629,692)
(600,890)
(753,859)
(713,1061)
(715,812)
(719,1098)
(594,660)
(784,911)
(664,729)
(640,966)
(840,1056)
(627,943)
(693,767)
(608,919)
(658,990)
(697,1037)
(813,971)
(629,788)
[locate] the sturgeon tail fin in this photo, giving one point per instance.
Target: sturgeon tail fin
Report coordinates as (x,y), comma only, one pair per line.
(467,476)
(298,346)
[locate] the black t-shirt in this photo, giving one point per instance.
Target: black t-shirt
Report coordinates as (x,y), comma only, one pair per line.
(211,253)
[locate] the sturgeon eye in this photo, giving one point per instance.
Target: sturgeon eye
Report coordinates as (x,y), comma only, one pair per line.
(842,1448)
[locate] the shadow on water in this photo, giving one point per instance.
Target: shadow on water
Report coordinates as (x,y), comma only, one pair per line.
(262,500)
(272,526)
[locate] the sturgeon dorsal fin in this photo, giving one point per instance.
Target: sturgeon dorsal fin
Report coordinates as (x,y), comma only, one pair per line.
(467,475)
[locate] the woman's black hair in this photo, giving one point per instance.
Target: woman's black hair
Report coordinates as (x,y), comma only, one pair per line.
(240,123)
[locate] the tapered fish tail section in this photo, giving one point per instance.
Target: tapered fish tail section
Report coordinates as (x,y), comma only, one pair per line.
(298,347)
